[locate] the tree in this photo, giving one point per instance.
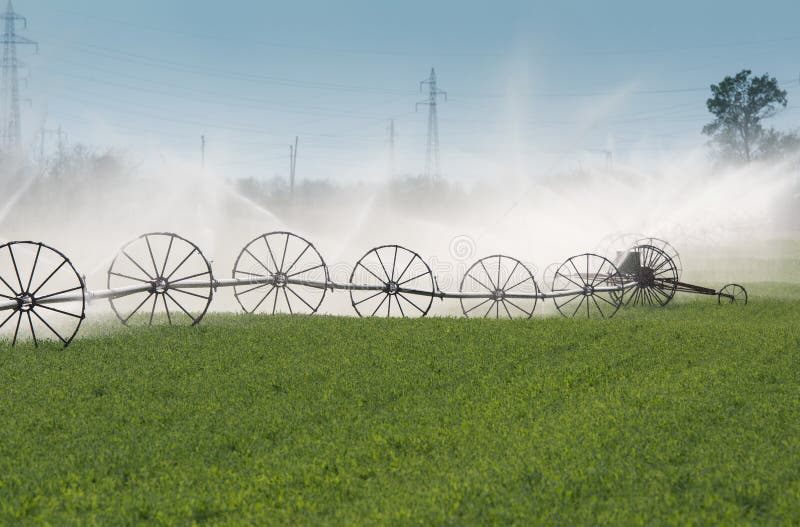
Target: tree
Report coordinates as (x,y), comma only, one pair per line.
(739,105)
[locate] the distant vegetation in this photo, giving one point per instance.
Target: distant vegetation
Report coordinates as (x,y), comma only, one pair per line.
(740,104)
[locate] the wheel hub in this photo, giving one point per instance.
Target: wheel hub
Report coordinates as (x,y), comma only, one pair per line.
(588,290)
(25,302)
(280,279)
(392,288)
(646,277)
(498,294)
(160,285)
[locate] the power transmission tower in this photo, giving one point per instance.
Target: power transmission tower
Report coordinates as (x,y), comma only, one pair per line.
(432,166)
(11,132)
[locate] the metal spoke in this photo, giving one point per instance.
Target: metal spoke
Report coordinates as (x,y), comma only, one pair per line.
(572,262)
(298,259)
(404,297)
(150,250)
(529,313)
(33,267)
(8,286)
(73,315)
(507,311)
(583,297)
(394,262)
(301,299)
(477,306)
(288,304)
(7,297)
(128,256)
(305,271)
(559,306)
(516,265)
(601,297)
(389,307)
(166,293)
(179,290)
(16,331)
(412,279)
(263,299)
(373,274)
(9,318)
(488,275)
(368,298)
(602,315)
(400,306)
(379,305)
(499,266)
(189,278)
(194,250)
(385,271)
(272,256)
(137,308)
(49,327)
(570,280)
(153,311)
(275,303)
(33,332)
(78,288)
(129,277)
(251,274)
(283,256)
(16,269)
(490,309)
(252,289)
(481,283)
(166,258)
(166,308)
(257,260)
(408,265)
(48,277)
(518,283)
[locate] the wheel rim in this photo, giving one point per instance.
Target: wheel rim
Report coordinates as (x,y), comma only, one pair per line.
(655,275)
(167,263)
(585,274)
(31,272)
(499,276)
(280,256)
(393,268)
(732,294)
(667,248)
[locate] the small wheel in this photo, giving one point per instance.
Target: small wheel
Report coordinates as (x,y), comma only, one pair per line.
(41,294)
(549,273)
(667,248)
(284,257)
(497,277)
(592,287)
(391,273)
(732,294)
(180,279)
(655,274)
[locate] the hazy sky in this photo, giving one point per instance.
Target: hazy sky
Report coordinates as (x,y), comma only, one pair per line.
(532,86)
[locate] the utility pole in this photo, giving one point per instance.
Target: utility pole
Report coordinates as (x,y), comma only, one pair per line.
(11,131)
(391,149)
(432,165)
(203,152)
(292,166)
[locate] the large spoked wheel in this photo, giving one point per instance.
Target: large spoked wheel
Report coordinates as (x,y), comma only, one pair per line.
(506,287)
(655,275)
(289,263)
(41,294)
(175,281)
(394,281)
(665,246)
(588,286)
(732,294)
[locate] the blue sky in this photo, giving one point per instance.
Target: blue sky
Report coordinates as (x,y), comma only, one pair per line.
(532,86)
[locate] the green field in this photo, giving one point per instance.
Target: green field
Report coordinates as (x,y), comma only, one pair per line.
(684,415)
